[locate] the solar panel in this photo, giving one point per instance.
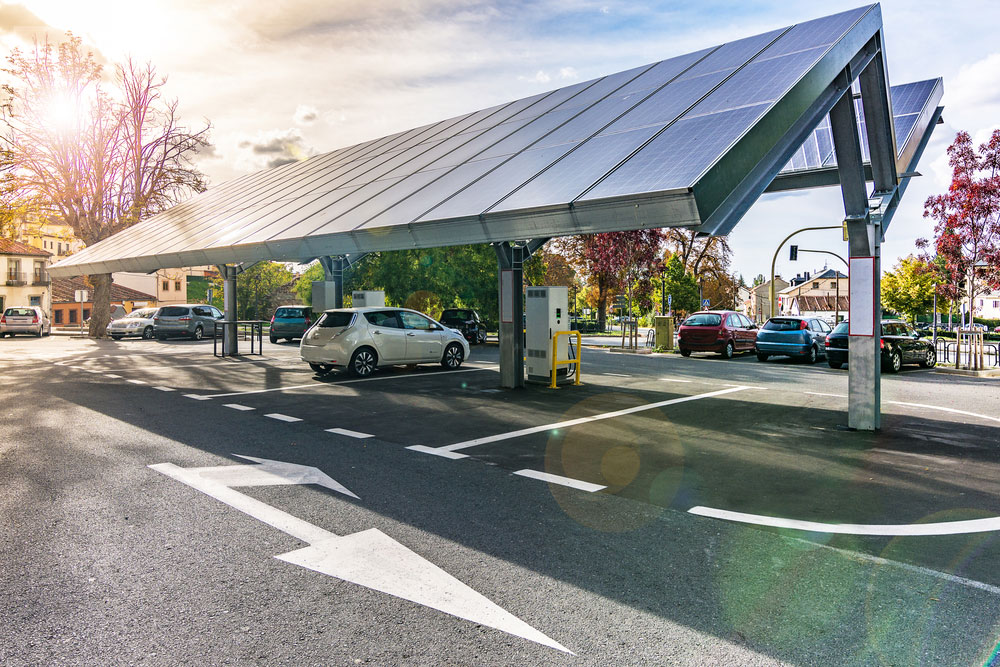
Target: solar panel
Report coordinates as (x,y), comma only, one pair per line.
(661,144)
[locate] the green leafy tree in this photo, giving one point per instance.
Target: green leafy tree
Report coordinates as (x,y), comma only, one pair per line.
(909,288)
(304,285)
(256,287)
(681,286)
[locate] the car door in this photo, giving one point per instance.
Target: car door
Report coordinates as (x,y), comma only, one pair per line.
(203,317)
(387,335)
(423,337)
(913,347)
(751,331)
(734,324)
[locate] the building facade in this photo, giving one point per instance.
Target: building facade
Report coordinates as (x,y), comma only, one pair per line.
(25,279)
(761,300)
(67,311)
(830,284)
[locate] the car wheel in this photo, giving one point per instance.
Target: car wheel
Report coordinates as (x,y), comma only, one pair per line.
(685,353)
(482,336)
(198,334)
(895,361)
(39,334)
(363,362)
(147,333)
(48,331)
(835,364)
(812,356)
(762,357)
(728,350)
(116,337)
(274,341)
(321,369)
(453,356)
(930,359)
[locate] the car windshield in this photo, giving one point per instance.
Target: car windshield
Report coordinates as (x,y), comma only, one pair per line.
(703,320)
(336,320)
(288,312)
(19,312)
(840,328)
(142,314)
(783,325)
(456,315)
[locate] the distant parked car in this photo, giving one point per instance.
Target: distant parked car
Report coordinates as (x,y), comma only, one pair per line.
(137,323)
(996,330)
(900,345)
(466,321)
(722,331)
(194,321)
(24,320)
(290,322)
(797,337)
(362,339)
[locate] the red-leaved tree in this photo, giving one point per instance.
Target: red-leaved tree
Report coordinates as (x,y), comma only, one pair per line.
(967,220)
(627,260)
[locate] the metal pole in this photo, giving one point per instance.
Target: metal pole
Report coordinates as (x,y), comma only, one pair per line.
(770,289)
(934,317)
(231,346)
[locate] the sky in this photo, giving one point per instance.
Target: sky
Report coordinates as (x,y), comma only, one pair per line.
(282,80)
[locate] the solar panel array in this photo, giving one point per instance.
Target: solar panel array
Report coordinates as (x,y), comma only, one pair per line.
(652,129)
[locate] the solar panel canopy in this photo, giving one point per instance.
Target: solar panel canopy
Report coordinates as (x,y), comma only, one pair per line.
(677,142)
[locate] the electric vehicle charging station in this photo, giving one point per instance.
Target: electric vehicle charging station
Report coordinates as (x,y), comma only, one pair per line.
(546,312)
(365,298)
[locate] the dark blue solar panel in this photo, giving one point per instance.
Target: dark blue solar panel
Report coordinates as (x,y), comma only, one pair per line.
(733,54)
(668,103)
(819,32)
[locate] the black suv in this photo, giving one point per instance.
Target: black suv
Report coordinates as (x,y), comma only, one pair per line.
(900,345)
(467,321)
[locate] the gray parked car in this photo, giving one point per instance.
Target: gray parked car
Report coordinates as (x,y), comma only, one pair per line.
(25,320)
(192,320)
(137,323)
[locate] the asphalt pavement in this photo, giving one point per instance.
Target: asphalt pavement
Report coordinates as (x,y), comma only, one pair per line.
(668,511)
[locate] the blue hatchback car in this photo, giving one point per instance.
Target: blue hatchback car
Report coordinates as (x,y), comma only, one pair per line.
(797,337)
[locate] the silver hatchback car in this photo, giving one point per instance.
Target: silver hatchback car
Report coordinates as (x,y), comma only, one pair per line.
(25,320)
(362,339)
(191,320)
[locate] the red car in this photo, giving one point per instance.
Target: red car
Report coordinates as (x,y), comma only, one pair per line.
(722,331)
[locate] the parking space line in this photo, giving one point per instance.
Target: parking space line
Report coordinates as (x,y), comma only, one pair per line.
(572,422)
(164,388)
(237,406)
(819,393)
(349,433)
(617,375)
(952,410)
(197,397)
(314,385)
(438,451)
(282,418)
(137,381)
(673,380)
(558,479)
(114,377)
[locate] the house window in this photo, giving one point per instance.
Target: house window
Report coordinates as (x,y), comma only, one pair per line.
(816,285)
(166,285)
(86,313)
(58,316)
(34,301)
(72,316)
(996,304)
(833,285)
(177,285)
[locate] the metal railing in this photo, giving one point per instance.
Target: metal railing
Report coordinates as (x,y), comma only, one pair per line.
(41,277)
(651,338)
(948,353)
(16,279)
(568,362)
(252,329)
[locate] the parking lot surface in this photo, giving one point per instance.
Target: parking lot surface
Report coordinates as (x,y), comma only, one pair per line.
(667,511)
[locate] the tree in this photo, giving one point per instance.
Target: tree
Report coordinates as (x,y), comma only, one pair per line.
(707,258)
(629,260)
(95,160)
(256,287)
(680,285)
(909,288)
(304,285)
(967,217)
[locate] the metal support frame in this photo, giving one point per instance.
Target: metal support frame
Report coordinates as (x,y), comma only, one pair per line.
(334,267)
(229,273)
(511,257)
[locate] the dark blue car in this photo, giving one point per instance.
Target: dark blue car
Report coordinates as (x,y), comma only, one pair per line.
(797,337)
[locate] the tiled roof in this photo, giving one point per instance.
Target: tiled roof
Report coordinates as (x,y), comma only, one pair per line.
(64,288)
(822,304)
(10,247)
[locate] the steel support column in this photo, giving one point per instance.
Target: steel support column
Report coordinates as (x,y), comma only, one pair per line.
(333,267)
(510,259)
(229,273)
(864,354)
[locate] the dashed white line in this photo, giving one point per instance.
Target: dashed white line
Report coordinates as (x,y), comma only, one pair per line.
(282,418)
(164,388)
(438,451)
(197,397)
(952,410)
(559,479)
(113,377)
(137,381)
(348,433)
(673,380)
(237,406)
(617,375)
(819,393)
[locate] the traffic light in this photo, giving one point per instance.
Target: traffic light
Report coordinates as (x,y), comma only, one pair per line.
(793,253)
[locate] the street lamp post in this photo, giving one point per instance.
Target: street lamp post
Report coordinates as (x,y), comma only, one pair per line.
(770,291)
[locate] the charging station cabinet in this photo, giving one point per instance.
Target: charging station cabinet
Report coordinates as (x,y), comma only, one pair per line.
(362,299)
(546,312)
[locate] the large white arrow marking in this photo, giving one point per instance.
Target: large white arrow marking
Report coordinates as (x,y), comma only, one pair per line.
(369,558)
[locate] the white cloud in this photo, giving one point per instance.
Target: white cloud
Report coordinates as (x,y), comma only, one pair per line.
(272,148)
(305,114)
(568,73)
(540,77)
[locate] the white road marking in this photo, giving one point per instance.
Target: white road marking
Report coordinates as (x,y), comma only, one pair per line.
(197,397)
(934,459)
(350,434)
(137,381)
(819,393)
(617,375)
(562,481)
(673,380)
(316,385)
(368,558)
(438,451)
(952,410)
(565,424)
(114,377)
(282,418)
(237,406)
(915,529)
(164,388)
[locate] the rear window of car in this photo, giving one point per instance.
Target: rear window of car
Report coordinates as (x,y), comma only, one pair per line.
(841,328)
(783,325)
(288,312)
(335,320)
(456,315)
(173,311)
(19,312)
(703,320)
